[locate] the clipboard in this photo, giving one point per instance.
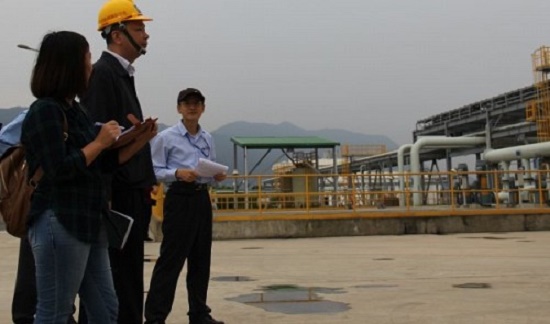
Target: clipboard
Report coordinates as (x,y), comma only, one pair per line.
(134,132)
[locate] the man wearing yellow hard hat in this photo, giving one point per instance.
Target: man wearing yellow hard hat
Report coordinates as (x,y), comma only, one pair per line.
(111,95)
(124,16)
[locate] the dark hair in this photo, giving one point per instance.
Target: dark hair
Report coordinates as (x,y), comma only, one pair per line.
(60,69)
(107,33)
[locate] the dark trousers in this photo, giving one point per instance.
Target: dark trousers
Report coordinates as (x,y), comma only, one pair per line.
(127,264)
(146,222)
(187,229)
(23,305)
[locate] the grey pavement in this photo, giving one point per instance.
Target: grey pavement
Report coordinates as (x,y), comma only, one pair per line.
(460,278)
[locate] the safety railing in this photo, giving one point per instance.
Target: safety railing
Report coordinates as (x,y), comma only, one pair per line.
(308,193)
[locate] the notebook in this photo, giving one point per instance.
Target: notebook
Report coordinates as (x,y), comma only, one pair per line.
(118,226)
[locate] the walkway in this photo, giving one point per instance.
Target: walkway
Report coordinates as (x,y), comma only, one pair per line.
(416,279)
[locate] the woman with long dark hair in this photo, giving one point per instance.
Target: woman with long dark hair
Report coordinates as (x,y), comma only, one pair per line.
(66,228)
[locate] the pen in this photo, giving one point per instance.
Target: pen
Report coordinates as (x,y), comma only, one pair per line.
(101,124)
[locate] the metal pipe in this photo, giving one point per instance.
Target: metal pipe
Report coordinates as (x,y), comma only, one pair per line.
(430,141)
(403,149)
(517,152)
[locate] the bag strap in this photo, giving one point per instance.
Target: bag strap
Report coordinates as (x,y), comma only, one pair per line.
(40,172)
(65,126)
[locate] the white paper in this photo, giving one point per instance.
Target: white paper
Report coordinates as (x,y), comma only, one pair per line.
(207,168)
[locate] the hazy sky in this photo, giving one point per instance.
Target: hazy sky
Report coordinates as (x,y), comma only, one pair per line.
(374,67)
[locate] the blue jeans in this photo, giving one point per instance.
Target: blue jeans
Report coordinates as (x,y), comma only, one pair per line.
(66,266)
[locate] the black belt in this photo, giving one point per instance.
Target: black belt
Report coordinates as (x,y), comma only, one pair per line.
(188,187)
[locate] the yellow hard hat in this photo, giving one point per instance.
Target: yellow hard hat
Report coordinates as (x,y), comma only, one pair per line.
(117,11)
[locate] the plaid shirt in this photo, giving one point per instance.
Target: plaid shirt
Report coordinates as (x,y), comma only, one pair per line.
(74,191)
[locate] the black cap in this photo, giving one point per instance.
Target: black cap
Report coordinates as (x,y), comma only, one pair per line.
(190,92)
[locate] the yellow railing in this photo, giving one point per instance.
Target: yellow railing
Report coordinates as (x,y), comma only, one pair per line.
(447,190)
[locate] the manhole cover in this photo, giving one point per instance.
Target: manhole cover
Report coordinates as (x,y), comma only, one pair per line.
(232,278)
(281,287)
(377,286)
(473,285)
(492,237)
(383,259)
(252,248)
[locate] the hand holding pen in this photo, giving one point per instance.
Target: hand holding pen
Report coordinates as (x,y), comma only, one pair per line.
(109,133)
(141,131)
(98,124)
(136,137)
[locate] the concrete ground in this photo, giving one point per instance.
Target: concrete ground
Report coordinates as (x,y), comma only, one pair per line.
(460,278)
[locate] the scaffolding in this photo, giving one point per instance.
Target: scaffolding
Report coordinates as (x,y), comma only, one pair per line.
(356,151)
(538,110)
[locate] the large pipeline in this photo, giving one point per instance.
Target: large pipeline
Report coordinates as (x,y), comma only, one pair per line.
(434,141)
(518,152)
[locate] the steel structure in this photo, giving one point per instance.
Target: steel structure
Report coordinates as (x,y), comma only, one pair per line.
(503,116)
(538,110)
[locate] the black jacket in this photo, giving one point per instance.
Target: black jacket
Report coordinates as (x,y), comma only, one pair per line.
(111,95)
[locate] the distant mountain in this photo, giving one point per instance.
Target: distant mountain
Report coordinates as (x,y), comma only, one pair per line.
(288,129)
(224,146)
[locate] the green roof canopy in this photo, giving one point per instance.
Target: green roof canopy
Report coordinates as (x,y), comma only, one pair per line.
(268,142)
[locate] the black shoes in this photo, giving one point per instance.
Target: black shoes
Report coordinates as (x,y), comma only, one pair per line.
(205,320)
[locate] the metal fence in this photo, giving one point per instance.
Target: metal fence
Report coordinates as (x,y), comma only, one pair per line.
(357,192)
